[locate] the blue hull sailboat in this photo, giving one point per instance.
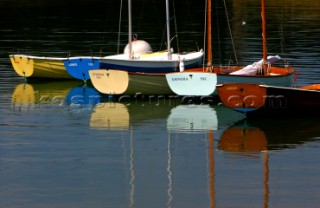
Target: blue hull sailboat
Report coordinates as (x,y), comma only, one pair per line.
(78,67)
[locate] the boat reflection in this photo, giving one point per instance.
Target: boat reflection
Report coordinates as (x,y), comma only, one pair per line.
(123,115)
(260,136)
(195,119)
(59,93)
(243,138)
(189,118)
(201,121)
(179,125)
(127,117)
(255,135)
(176,116)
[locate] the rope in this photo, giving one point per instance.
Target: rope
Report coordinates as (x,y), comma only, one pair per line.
(119,28)
(217,22)
(233,46)
(104,34)
(175,26)
(282,41)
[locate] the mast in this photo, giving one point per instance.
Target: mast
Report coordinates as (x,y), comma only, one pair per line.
(209,41)
(264,37)
(129,29)
(168,30)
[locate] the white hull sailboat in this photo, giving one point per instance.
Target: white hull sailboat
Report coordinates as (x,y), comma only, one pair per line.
(143,72)
(157,62)
(138,55)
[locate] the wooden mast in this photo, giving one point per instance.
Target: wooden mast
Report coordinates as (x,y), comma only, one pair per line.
(264,38)
(209,40)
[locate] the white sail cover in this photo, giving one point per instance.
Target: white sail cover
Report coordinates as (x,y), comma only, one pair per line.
(253,69)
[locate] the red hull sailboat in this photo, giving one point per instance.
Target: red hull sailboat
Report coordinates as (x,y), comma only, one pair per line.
(270,101)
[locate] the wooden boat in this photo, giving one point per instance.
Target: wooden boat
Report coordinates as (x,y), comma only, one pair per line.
(260,72)
(265,100)
(138,55)
(39,66)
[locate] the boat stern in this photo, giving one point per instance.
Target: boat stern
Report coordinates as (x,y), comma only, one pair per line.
(242,97)
(22,65)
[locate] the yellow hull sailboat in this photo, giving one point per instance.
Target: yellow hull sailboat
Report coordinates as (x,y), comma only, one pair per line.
(39,67)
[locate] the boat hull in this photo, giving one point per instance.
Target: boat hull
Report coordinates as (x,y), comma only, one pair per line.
(274,79)
(151,63)
(192,83)
(78,67)
(120,82)
(39,67)
(270,101)
(277,77)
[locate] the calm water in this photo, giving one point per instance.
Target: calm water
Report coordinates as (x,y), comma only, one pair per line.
(64,145)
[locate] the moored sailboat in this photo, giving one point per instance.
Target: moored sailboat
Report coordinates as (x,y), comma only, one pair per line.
(139,58)
(39,66)
(138,55)
(270,101)
(259,72)
(144,70)
(116,82)
(78,67)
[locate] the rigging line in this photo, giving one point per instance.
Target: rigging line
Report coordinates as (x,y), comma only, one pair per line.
(231,36)
(142,6)
(175,25)
(119,28)
(282,41)
(162,38)
(218,34)
(157,15)
(104,33)
(193,27)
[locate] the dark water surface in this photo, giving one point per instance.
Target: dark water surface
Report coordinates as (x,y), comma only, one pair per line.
(64,145)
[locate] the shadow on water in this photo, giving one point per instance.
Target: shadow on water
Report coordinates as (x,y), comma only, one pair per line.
(269,134)
(257,138)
